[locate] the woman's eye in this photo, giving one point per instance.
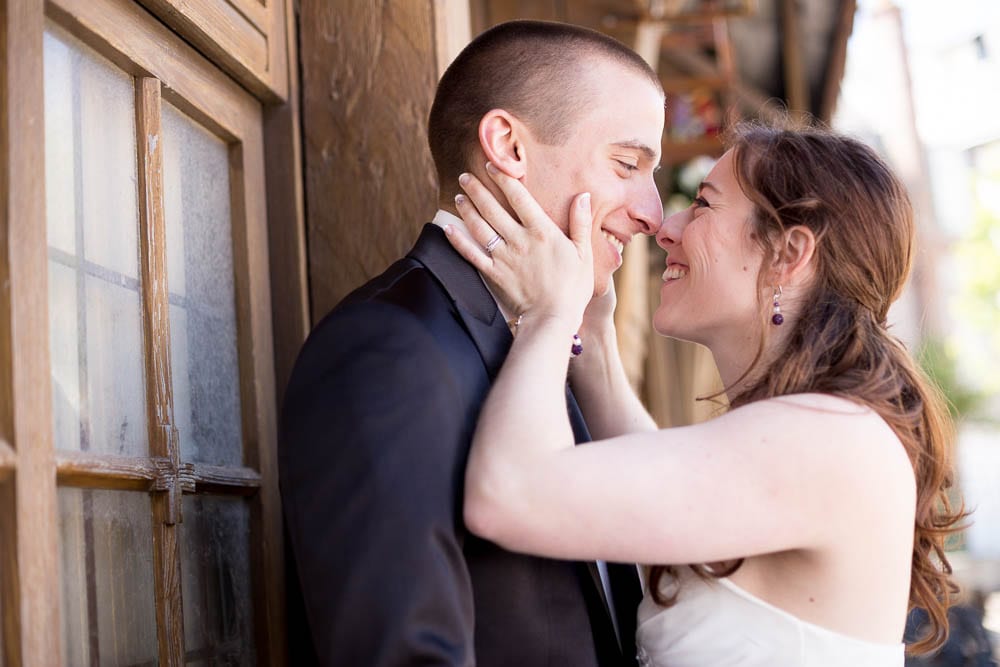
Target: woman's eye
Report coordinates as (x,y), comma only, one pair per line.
(700,202)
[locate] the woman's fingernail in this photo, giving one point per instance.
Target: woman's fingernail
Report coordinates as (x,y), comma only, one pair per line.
(447,230)
(459,199)
(463,179)
(585,200)
(492,168)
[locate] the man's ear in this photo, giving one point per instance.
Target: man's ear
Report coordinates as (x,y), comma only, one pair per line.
(501,136)
(793,262)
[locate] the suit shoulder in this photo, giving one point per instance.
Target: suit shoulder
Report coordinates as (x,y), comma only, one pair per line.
(403,312)
(406,287)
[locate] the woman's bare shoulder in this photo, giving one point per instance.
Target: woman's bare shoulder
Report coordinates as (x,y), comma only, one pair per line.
(838,432)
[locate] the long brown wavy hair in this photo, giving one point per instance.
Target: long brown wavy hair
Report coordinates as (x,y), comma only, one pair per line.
(863,222)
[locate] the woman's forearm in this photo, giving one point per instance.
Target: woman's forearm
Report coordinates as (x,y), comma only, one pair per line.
(524,420)
(601,386)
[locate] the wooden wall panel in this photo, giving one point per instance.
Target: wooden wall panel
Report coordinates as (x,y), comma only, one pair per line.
(368,77)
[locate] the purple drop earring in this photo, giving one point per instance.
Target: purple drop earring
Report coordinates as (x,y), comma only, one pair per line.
(777,318)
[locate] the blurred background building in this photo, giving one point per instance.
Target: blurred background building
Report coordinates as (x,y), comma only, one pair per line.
(922,84)
(188,186)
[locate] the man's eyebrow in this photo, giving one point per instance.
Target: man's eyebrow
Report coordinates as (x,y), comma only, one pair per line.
(637,145)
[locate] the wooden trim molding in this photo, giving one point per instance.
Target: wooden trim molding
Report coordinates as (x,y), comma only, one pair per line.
(246,38)
(287,223)
(156,334)
(230,481)
(103,471)
(97,471)
(24,377)
(142,46)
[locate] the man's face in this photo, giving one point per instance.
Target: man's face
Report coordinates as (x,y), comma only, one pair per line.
(612,152)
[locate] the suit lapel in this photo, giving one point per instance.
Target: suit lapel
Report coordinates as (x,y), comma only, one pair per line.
(465,287)
(625,588)
(582,434)
(626,591)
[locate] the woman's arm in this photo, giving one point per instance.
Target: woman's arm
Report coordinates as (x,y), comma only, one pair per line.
(794,473)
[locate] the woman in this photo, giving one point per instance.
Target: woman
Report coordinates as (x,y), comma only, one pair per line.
(800,526)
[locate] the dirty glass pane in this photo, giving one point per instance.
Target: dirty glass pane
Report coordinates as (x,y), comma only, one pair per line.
(106,558)
(95,331)
(204,361)
(215,580)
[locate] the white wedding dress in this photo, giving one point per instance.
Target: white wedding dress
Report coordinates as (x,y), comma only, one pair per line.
(715,623)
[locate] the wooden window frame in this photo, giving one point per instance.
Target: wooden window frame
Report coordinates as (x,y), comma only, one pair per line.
(162,65)
(246,38)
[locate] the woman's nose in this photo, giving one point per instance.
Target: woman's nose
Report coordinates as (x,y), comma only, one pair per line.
(672,229)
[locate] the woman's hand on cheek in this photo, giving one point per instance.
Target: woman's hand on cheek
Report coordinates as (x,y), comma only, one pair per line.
(535,270)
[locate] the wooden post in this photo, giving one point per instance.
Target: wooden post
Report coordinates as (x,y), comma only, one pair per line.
(632,315)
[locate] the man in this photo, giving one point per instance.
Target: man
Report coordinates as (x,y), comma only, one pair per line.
(384,397)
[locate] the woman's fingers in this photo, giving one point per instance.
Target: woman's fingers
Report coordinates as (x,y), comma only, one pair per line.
(488,210)
(469,249)
(528,210)
(478,229)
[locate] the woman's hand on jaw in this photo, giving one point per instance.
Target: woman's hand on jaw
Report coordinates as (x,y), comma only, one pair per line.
(536,271)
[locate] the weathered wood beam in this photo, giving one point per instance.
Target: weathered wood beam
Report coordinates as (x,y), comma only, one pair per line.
(836,62)
(796,88)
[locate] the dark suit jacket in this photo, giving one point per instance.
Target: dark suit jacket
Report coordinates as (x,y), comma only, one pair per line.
(376,427)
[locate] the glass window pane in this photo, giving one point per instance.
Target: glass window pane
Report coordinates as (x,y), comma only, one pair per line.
(92,226)
(64,355)
(215,573)
(117,419)
(204,362)
(106,554)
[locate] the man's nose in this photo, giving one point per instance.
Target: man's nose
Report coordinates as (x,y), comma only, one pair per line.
(672,229)
(647,210)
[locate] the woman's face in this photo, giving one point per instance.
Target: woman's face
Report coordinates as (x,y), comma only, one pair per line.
(709,293)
